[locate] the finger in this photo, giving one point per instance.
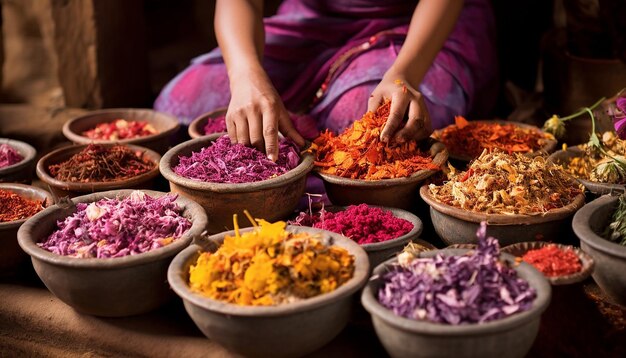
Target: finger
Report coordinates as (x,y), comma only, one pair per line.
(413,125)
(399,104)
(255,124)
(270,134)
(231,128)
(374,102)
(428,124)
(243,135)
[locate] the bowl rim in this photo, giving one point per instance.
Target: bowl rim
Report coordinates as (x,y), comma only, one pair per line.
(541,302)
(502,219)
(19,189)
(440,157)
(183,260)
(27,151)
(548,147)
(304,167)
(586,235)
(45,176)
(170,129)
(198,123)
(28,244)
(587,262)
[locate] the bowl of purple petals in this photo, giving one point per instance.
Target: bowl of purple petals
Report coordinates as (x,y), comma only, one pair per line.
(17,161)
(457,302)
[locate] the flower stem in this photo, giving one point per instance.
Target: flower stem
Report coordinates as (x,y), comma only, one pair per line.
(583,110)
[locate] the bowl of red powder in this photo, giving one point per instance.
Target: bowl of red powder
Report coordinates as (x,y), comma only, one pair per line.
(561,264)
(208,123)
(382,232)
(143,127)
(82,169)
(18,203)
(17,161)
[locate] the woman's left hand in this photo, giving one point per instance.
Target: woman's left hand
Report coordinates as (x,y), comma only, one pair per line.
(405,98)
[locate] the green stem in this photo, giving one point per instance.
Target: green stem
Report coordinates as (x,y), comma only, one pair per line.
(583,110)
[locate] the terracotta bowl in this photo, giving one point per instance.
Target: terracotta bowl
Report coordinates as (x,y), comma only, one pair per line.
(165,124)
(72,189)
(289,330)
(548,147)
(11,255)
(561,156)
(272,199)
(610,258)
(458,226)
(520,249)
(512,336)
(113,287)
(394,193)
(21,172)
(196,127)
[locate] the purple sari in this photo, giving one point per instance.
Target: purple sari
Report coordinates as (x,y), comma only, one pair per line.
(326,57)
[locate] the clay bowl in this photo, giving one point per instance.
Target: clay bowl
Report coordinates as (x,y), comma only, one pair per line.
(272,199)
(610,258)
(11,255)
(165,124)
(562,156)
(196,127)
(393,193)
(113,287)
(548,147)
(72,189)
(520,249)
(289,330)
(458,226)
(512,336)
(21,172)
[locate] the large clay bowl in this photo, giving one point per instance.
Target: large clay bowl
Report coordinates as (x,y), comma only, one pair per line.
(289,330)
(272,199)
(11,255)
(21,172)
(512,336)
(113,287)
(589,225)
(394,193)
(196,127)
(458,226)
(72,189)
(548,146)
(560,157)
(165,124)
(586,261)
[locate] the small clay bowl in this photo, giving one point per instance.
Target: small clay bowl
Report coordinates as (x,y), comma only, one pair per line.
(11,255)
(165,124)
(21,172)
(458,226)
(520,249)
(548,146)
(196,127)
(512,336)
(393,193)
(112,287)
(589,225)
(72,189)
(560,157)
(288,330)
(272,199)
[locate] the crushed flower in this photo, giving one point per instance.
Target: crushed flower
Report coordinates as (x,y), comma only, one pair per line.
(553,261)
(9,155)
(120,129)
(597,166)
(15,207)
(215,125)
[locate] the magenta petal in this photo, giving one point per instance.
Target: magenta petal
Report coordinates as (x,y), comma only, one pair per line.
(620,126)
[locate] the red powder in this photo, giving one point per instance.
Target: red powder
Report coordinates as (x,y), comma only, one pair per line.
(553,261)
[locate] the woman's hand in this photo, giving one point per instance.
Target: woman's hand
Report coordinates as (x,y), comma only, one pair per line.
(256,114)
(405,99)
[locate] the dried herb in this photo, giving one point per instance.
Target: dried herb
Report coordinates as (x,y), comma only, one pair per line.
(553,261)
(215,125)
(118,227)
(499,183)
(224,162)
(14,207)
(358,152)
(471,138)
(473,288)
(616,231)
(9,156)
(120,129)
(99,163)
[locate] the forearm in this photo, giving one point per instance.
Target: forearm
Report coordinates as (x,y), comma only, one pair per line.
(432,22)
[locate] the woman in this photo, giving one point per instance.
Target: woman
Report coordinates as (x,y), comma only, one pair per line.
(336,59)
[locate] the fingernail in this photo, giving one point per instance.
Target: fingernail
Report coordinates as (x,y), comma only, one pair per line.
(272,157)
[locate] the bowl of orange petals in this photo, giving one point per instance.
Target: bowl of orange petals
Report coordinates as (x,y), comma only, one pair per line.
(357,167)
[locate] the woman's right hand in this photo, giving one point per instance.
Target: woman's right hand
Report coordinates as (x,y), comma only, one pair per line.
(256,113)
